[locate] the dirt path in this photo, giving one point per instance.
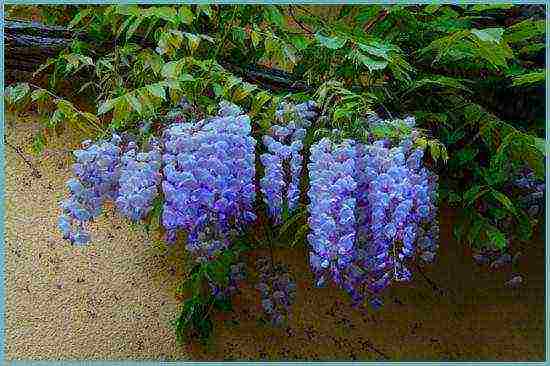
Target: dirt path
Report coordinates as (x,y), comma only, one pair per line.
(114,299)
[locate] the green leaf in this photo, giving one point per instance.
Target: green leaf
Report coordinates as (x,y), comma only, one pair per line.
(532,49)
(133,10)
(274,15)
(193,41)
(494,53)
(255,37)
(333,43)
(167,13)
(66,107)
(473,194)
(371,63)
(456,136)
(55,119)
(493,35)
(466,155)
(300,42)
(525,228)
(540,144)
(39,95)
(439,81)
(185,15)
(124,26)
(288,223)
(16,93)
(367,12)
(238,36)
(496,237)
(458,231)
(218,90)
(258,102)
(430,9)
(92,118)
(300,235)
(171,69)
(38,143)
(133,27)
(78,17)
(44,66)
(504,200)
(442,46)
(474,229)
(376,49)
(217,273)
(106,106)
(244,90)
(205,328)
(289,54)
(454,197)
(272,46)
(485,7)
(532,78)
(435,150)
(169,42)
(525,30)
(157,90)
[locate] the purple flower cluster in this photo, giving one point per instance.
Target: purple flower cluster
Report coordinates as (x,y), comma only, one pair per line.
(428,227)
(283,167)
(209,179)
(398,197)
(277,290)
(332,207)
(139,180)
(96,179)
(372,209)
(532,189)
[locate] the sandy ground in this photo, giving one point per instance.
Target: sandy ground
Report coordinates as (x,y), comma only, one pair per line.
(114,299)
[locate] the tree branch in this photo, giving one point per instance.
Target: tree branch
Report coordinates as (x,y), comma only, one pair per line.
(26,48)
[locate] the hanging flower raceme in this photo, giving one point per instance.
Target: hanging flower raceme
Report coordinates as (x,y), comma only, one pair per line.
(332,207)
(139,180)
(531,192)
(283,160)
(390,214)
(277,290)
(283,167)
(96,179)
(209,177)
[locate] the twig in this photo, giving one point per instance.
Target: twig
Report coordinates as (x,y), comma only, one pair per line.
(35,171)
(387,111)
(210,307)
(300,24)
(368,344)
(381,16)
(434,286)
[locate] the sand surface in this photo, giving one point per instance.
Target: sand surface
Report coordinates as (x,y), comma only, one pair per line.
(114,298)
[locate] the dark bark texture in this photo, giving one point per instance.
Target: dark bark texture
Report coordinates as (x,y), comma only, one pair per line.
(29,44)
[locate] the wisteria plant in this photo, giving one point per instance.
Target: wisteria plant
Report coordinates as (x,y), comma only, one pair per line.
(339,147)
(372,204)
